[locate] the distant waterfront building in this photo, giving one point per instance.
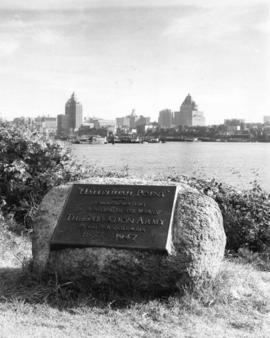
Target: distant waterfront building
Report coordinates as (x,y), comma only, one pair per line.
(165,118)
(73,111)
(46,125)
(122,122)
(49,126)
(183,117)
(131,121)
(198,118)
(233,125)
(100,123)
(188,115)
(127,122)
(72,120)
(88,125)
(49,122)
(103,123)
(119,121)
(266,119)
(152,126)
(62,125)
(93,121)
(141,121)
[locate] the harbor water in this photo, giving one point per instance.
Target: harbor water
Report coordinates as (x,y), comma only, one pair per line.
(237,164)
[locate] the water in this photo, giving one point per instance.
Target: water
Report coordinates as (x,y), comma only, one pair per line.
(234,163)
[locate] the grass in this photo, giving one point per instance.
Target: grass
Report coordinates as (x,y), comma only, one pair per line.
(14,250)
(235,304)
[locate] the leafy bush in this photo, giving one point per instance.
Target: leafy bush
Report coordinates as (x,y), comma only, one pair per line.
(29,167)
(246,214)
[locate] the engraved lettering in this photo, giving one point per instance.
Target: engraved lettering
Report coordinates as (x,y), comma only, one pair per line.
(100,192)
(150,221)
(112,219)
(150,193)
(116,216)
(125,237)
(86,218)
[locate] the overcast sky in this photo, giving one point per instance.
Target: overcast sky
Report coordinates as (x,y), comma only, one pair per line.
(147,55)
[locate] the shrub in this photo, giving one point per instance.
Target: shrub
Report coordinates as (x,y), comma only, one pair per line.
(246,214)
(29,167)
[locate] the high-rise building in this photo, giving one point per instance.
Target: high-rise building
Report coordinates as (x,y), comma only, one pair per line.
(165,118)
(72,120)
(188,115)
(73,111)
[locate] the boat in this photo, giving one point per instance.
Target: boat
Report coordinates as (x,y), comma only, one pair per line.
(75,141)
(97,140)
(189,139)
(93,139)
(153,140)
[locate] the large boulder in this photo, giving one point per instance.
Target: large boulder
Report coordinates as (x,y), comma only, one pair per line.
(198,246)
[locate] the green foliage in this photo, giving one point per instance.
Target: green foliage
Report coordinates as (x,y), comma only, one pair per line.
(29,167)
(260,260)
(246,214)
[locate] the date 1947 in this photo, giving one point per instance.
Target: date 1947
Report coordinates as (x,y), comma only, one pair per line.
(125,237)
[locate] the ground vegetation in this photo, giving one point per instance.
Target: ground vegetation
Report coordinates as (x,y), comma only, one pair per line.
(235,304)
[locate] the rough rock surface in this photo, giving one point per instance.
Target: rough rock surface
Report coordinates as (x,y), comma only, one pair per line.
(198,239)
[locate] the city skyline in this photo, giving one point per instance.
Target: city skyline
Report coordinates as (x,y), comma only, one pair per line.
(118,56)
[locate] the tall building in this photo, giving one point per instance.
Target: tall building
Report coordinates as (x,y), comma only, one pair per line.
(188,115)
(72,120)
(73,111)
(165,118)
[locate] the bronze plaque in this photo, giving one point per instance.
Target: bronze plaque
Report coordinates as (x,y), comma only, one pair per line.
(119,216)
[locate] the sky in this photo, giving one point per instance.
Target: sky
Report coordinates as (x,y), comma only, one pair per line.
(145,55)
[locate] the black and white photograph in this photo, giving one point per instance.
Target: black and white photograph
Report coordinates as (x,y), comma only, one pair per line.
(135,168)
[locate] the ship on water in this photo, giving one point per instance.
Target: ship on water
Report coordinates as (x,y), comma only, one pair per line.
(86,139)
